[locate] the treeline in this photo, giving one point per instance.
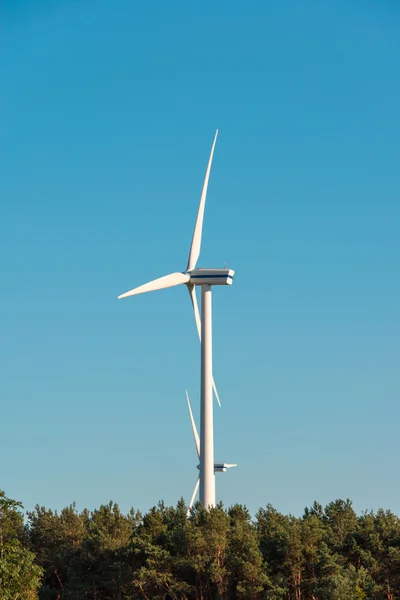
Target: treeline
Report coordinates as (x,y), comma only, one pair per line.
(329,553)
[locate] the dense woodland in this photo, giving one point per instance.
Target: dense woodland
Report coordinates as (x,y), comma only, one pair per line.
(328,553)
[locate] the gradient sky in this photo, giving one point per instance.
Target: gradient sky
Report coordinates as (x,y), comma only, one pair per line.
(107,114)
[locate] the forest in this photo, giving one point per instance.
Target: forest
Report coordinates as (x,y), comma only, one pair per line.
(329,553)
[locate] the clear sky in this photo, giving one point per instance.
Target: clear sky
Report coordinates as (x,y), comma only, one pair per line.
(107,114)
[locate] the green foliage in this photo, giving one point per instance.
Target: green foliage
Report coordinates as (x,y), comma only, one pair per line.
(327,554)
(19,576)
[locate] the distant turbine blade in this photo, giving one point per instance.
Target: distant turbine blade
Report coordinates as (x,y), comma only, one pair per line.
(195,434)
(215,392)
(193,298)
(228,466)
(196,240)
(196,487)
(158,284)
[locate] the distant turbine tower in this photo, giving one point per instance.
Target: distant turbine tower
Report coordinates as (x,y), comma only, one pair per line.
(218,467)
(206,278)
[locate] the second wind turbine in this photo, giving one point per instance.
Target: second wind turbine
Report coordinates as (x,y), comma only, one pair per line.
(205,278)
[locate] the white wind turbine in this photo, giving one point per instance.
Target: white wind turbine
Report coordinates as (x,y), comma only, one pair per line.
(218,467)
(206,278)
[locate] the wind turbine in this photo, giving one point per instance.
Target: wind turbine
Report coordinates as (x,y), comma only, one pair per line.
(205,278)
(218,467)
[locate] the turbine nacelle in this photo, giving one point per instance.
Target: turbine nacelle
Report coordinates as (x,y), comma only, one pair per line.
(211,276)
(221,467)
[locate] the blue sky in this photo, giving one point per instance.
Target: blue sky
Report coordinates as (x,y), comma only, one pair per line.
(107,115)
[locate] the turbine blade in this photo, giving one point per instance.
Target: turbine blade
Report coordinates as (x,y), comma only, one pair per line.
(196,487)
(158,284)
(195,434)
(198,228)
(215,392)
(228,466)
(193,298)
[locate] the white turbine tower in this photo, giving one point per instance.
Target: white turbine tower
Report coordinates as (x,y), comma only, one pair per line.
(206,278)
(218,467)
